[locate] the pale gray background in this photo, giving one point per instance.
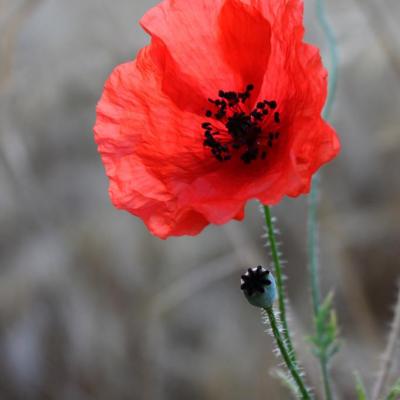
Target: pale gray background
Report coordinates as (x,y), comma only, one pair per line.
(93,307)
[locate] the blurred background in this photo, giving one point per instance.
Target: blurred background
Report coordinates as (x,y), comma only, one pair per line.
(93,307)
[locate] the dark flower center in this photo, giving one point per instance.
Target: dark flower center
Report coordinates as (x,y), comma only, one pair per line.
(255,280)
(249,134)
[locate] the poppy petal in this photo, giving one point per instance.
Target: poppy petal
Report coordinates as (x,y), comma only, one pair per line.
(150,117)
(152,150)
(245,40)
(188,32)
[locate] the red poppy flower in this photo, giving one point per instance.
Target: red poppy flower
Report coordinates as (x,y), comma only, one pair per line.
(222,107)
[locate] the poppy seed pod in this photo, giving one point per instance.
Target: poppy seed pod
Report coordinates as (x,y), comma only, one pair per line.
(259,287)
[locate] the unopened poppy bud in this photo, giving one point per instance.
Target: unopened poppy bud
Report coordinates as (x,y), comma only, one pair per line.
(259,287)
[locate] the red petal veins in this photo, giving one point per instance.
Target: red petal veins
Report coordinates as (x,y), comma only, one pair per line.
(152,151)
(149,119)
(245,40)
(188,30)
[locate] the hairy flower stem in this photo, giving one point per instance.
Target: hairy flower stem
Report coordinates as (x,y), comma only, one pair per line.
(389,354)
(279,282)
(333,55)
(291,365)
(312,244)
(312,227)
(326,378)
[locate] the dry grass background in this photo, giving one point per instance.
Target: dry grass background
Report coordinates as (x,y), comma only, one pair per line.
(93,307)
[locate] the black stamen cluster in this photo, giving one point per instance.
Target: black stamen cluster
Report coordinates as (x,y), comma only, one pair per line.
(243,130)
(255,280)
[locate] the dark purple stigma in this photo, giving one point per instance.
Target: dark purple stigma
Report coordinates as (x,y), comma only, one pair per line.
(255,280)
(247,134)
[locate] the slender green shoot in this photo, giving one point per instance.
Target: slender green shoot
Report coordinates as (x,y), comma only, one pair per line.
(292,367)
(279,281)
(360,388)
(394,392)
(312,218)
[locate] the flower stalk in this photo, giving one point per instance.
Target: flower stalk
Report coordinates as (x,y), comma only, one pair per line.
(312,244)
(326,378)
(389,354)
(279,282)
(291,365)
(260,289)
(312,227)
(320,329)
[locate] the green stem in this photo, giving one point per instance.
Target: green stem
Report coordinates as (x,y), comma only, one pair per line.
(279,282)
(313,265)
(333,55)
(326,379)
(313,198)
(312,229)
(292,367)
(389,356)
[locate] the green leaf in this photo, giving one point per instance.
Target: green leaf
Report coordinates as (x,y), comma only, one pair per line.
(394,393)
(360,388)
(325,342)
